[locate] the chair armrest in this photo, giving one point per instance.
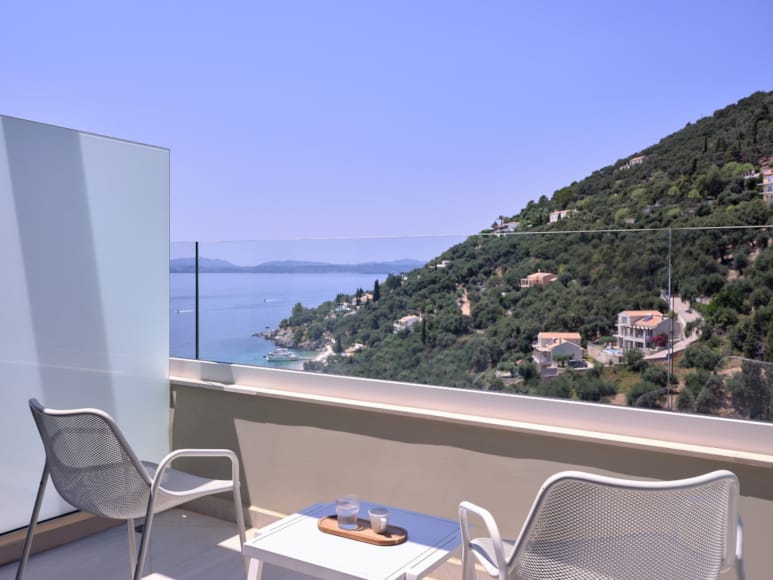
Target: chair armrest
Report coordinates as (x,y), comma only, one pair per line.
(166,462)
(466,507)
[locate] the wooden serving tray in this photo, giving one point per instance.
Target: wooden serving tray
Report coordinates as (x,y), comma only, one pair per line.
(363,532)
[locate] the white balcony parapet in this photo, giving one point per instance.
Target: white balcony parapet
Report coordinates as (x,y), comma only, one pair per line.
(730,440)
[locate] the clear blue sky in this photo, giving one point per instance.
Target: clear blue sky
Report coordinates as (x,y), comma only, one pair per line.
(302,119)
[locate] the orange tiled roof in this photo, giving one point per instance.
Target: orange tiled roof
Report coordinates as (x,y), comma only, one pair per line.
(639,315)
(564,335)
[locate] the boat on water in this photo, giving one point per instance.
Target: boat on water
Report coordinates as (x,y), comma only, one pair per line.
(281,354)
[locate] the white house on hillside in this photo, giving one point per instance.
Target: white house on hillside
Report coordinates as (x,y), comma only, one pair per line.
(406,322)
(634,161)
(767,184)
(550,345)
(506,227)
(538,279)
(560,215)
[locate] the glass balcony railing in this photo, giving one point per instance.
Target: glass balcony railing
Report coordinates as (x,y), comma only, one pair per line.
(230,305)
(673,319)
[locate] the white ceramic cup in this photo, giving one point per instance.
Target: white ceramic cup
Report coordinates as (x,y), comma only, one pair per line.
(379,519)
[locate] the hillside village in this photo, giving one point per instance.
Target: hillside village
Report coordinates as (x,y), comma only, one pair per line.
(662,260)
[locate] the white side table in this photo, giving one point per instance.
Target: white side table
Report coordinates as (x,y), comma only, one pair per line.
(295,543)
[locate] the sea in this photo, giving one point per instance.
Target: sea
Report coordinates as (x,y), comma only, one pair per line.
(234,307)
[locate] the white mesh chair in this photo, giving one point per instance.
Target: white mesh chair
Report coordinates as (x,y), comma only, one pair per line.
(94,469)
(584,526)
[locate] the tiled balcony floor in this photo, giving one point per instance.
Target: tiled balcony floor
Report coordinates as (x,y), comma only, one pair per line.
(184,546)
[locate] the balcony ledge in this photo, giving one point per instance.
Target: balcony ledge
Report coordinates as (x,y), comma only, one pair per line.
(680,434)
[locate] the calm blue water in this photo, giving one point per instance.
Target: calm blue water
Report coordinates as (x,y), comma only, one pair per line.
(235,306)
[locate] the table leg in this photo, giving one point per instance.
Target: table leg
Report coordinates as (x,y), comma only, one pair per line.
(256,569)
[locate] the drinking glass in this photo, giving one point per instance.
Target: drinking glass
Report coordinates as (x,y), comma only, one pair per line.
(347,510)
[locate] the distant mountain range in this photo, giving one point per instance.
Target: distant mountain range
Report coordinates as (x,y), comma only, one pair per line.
(217,266)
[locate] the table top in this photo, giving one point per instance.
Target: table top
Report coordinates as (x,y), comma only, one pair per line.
(296,543)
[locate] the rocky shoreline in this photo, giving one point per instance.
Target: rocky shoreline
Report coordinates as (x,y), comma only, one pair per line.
(283,338)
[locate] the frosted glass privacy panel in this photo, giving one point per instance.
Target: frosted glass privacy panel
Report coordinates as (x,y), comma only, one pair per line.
(84,238)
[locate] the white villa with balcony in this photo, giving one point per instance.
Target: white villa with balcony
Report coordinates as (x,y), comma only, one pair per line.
(636,328)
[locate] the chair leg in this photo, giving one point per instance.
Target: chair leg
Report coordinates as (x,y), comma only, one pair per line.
(239,513)
(25,553)
(468,564)
(145,540)
(132,546)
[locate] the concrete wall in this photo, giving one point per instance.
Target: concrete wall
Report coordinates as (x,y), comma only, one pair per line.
(297,453)
(598,354)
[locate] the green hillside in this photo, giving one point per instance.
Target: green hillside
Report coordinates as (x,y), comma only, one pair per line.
(692,208)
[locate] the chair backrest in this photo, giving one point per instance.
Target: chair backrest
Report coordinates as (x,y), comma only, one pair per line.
(627,529)
(91,464)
